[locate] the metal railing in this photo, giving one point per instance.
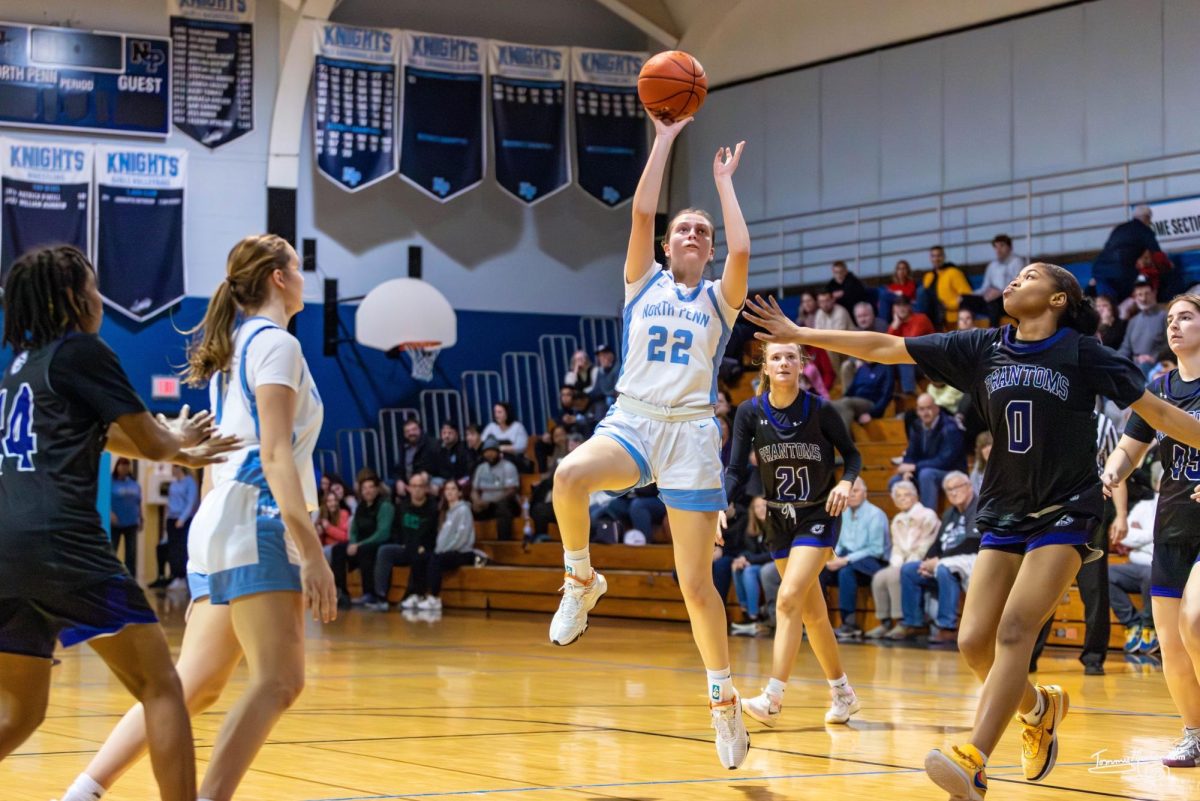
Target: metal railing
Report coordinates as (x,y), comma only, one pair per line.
(327,462)
(1055,213)
(556,351)
(481,389)
(597,331)
(525,388)
(440,406)
(359,448)
(391,432)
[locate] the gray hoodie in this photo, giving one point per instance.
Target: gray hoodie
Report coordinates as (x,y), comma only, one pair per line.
(458,531)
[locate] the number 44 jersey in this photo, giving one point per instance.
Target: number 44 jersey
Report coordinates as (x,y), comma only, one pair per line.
(56,403)
(1038,399)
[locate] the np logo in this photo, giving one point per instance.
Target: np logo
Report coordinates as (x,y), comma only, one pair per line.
(716,692)
(610,195)
(19,362)
(1066,521)
(351,176)
(441,186)
(819,528)
(527,190)
(142,51)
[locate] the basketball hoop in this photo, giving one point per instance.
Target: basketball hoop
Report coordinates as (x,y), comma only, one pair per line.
(423,355)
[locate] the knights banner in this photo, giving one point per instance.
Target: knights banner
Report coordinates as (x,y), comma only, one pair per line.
(212,46)
(139,224)
(442,151)
(610,123)
(354,104)
(529,119)
(46,192)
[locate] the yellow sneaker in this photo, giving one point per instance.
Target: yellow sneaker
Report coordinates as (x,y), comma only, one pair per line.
(959,771)
(1039,744)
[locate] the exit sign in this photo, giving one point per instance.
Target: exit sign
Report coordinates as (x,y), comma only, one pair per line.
(164,387)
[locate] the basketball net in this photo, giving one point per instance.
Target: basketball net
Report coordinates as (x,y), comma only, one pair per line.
(423,355)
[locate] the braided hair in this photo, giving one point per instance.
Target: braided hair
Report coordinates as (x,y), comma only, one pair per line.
(45,296)
(1080,314)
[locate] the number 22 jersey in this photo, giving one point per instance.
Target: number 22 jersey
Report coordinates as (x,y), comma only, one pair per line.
(1038,399)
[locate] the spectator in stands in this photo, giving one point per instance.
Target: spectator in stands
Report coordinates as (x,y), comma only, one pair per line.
(1001,271)
(370,527)
(414,534)
(723,408)
(1115,267)
(935,448)
(572,414)
(541,509)
(333,523)
(510,434)
(945,568)
(1165,363)
(865,319)
(868,394)
(419,453)
(494,489)
(812,373)
(474,449)
(454,455)
(126,511)
(846,289)
(983,452)
(551,447)
(455,545)
(820,361)
(944,284)
(748,565)
(830,315)
(902,283)
(1146,331)
(1112,327)
(808,310)
(858,555)
(604,388)
(908,323)
(913,530)
(582,373)
(1134,576)
(183,499)
(965,320)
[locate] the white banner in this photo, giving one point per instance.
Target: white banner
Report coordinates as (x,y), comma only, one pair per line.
(1176,220)
(213,10)
(45,162)
(45,196)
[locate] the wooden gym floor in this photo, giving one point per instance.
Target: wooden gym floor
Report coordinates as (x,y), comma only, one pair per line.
(483,706)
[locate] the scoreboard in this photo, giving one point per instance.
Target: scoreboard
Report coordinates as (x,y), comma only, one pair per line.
(83,80)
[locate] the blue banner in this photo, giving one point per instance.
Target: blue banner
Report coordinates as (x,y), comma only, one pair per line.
(46,191)
(354,104)
(610,123)
(213,48)
(84,81)
(529,119)
(139,248)
(441,146)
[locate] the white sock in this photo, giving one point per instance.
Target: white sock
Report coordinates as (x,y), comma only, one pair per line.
(842,685)
(720,685)
(775,688)
(1034,716)
(84,788)
(579,563)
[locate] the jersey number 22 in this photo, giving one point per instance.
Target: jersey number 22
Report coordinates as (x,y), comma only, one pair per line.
(657,352)
(19,440)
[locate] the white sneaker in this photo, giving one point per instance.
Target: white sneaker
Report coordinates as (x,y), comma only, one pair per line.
(579,597)
(844,705)
(430,603)
(765,708)
(411,602)
(733,741)
(1184,754)
(178,584)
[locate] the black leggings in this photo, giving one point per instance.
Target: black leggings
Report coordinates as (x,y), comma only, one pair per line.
(442,562)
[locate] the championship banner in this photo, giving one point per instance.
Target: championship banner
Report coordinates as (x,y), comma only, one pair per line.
(139,248)
(46,191)
(529,119)
(610,123)
(441,146)
(354,104)
(212,45)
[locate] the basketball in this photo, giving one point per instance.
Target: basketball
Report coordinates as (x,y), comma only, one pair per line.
(672,85)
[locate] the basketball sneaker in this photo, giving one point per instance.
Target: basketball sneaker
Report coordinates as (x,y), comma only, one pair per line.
(1039,742)
(845,703)
(1149,642)
(1185,753)
(376,606)
(430,604)
(411,602)
(765,708)
(959,771)
(733,741)
(1133,639)
(570,621)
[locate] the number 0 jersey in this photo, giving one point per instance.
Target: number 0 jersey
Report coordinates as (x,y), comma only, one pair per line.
(56,404)
(673,340)
(1178,516)
(1038,399)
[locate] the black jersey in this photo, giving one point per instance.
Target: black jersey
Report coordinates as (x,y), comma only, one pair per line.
(1178,516)
(56,404)
(794,449)
(1038,400)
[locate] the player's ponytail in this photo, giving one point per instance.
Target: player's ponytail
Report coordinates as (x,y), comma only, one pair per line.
(247,270)
(1079,314)
(45,296)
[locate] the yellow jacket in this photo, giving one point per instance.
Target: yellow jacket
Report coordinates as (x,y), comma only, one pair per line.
(951,285)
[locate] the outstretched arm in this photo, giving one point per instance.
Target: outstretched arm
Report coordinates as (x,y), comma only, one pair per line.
(640,254)
(737,235)
(867,345)
(1170,420)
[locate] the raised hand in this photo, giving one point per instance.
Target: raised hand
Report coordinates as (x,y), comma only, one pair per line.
(191,428)
(767,315)
(211,451)
(725,163)
(668,129)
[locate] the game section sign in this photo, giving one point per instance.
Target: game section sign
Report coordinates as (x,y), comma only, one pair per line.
(46,192)
(354,104)
(213,48)
(76,80)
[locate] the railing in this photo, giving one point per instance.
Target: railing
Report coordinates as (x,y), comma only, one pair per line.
(597,331)
(556,351)
(327,462)
(481,390)
(525,388)
(359,448)
(1056,213)
(440,406)
(391,432)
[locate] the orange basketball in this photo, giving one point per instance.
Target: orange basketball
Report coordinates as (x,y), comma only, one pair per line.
(672,85)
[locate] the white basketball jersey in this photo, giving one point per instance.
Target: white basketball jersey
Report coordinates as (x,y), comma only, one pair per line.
(264,353)
(673,340)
